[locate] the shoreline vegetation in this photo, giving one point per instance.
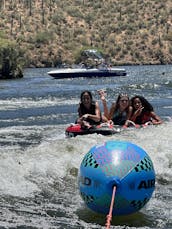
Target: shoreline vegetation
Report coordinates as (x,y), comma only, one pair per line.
(48,33)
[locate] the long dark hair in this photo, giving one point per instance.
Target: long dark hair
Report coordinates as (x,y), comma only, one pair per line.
(82,109)
(88,92)
(147,106)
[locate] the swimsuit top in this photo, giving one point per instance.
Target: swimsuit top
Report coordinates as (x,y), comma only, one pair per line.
(83,110)
(143,118)
(119,118)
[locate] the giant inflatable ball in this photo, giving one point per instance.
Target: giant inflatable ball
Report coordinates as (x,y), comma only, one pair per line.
(121,164)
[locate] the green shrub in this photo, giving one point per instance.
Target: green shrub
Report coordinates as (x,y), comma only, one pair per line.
(170,50)
(11,61)
(154,41)
(43,37)
(73,12)
(168,36)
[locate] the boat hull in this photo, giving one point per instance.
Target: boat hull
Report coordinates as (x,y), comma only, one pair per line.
(75,73)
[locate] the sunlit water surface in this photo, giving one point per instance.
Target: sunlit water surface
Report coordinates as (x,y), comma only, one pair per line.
(39,165)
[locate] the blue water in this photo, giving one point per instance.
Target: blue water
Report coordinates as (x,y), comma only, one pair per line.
(39,165)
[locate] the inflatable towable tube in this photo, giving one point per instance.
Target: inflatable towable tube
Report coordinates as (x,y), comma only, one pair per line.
(104,129)
(121,164)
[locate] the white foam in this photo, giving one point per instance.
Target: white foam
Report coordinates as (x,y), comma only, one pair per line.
(12,104)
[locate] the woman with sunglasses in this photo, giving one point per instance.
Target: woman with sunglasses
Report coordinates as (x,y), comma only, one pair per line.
(120,111)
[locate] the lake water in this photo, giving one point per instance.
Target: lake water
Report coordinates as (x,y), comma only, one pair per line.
(39,165)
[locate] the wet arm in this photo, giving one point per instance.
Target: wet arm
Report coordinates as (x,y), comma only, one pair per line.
(105,108)
(95,117)
(155,119)
(104,102)
(112,111)
(136,114)
(79,119)
(129,114)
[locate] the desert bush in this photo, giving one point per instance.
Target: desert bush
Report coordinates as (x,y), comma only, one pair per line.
(168,36)
(43,37)
(11,61)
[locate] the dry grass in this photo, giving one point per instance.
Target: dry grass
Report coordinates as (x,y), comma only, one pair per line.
(54,31)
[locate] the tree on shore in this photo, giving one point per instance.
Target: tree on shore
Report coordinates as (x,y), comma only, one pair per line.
(11,61)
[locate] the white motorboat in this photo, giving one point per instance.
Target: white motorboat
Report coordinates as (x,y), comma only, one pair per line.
(97,68)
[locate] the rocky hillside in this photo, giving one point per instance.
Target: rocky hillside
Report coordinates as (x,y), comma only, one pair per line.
(55,31)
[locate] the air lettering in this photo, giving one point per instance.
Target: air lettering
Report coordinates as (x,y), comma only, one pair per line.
(147,184)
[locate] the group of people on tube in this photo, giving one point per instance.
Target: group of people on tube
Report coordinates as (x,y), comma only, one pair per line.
(124,112)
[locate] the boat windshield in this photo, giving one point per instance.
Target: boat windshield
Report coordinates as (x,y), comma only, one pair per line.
(93,54)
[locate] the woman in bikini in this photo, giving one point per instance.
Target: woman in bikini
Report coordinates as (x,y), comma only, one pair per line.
(88,110)
(143,112)
(120,111)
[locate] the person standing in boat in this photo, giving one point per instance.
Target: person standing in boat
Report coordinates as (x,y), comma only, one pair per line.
(143,112)
(120,111)
(88,110)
